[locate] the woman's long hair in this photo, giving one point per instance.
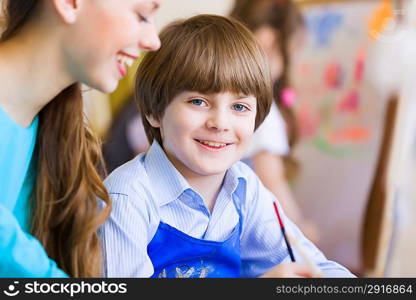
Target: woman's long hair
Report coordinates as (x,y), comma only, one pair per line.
(284,17)
(69,162)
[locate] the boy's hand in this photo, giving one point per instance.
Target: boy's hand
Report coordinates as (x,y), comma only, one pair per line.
(292,270)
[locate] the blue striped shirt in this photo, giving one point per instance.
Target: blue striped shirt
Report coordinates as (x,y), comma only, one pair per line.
(148,190)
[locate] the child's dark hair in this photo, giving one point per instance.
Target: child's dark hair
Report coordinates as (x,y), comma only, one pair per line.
(208,54)
(285,18)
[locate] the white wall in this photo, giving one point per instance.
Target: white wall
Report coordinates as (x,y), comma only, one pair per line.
(174,9)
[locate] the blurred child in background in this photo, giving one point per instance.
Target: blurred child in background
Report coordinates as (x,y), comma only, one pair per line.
(126,137)
(278,26)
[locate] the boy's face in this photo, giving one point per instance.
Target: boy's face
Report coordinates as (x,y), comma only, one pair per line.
(204,135)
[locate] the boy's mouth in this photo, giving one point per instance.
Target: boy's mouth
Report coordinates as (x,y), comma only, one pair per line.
(212,144)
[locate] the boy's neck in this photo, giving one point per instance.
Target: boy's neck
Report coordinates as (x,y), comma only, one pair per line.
(208,187)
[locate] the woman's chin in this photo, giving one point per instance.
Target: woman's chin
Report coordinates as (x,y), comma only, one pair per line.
(107,87)
(103,80)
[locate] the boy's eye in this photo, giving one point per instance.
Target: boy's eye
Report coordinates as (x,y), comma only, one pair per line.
(198,102)
(240,107)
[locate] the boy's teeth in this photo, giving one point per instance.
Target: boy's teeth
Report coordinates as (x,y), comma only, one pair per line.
(212,144)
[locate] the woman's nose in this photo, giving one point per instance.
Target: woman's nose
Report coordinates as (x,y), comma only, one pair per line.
(150,40)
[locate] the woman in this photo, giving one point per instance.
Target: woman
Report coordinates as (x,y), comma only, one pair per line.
(50,161)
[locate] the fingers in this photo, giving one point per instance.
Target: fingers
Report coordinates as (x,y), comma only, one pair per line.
(301,270)
(291,270)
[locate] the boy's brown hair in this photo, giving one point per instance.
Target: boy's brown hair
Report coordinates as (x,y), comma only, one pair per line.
(207,54)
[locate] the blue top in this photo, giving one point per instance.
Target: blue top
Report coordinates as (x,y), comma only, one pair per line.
(21,254)
(149,190)
(16,151)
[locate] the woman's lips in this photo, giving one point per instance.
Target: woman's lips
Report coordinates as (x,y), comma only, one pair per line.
(122,69)
(124,61)
(133,57)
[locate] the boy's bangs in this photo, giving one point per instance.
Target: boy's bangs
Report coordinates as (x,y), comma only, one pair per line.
(217,66)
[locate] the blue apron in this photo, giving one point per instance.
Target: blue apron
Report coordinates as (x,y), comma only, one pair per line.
(175,254)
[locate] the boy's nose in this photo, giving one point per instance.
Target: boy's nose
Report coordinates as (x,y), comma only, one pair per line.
(218,120)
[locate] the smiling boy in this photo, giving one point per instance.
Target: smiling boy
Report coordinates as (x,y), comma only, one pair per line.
(188,207)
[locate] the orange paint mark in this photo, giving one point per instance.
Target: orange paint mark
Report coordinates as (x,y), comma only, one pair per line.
(352,134)
(381,17)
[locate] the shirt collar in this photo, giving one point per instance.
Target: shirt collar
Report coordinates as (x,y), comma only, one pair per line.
(235,180)
(168,184)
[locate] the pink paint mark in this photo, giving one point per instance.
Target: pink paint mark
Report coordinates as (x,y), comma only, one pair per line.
(308,125)
(352,134)
(288,97)
(351,103)
(360,65)
(334,76)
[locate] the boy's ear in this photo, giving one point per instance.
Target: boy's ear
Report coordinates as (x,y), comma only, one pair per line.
(67,10)
(155,123)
